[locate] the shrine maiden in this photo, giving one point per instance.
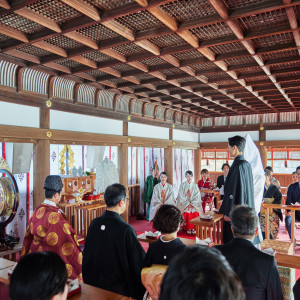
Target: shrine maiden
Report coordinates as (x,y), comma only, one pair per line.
(162,194)
(48,230)
(189,201)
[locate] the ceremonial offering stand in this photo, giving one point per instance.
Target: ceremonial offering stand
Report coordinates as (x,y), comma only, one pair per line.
(212,228)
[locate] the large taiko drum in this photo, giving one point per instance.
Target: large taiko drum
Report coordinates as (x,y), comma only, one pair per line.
(7,197)
(9,202)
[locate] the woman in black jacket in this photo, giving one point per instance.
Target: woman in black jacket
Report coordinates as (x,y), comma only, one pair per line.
(271,195)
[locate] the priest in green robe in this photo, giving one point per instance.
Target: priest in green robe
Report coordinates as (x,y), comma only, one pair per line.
(151,181)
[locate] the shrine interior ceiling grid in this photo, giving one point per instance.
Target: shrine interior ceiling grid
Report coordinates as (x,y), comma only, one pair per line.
(205,58)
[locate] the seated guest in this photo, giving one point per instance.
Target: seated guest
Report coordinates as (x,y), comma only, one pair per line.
(167,220)
(296,290)
(204,183)
(293,196)
(295,177)
(48,230)
(39,276)
(162,194)
(222,179)
(189,201)
(273,179)
(271,191)
(256,269)
(200,273)
(113,257)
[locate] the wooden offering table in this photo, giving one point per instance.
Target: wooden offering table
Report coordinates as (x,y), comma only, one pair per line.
(142,238)
(87,291)
(11,254)
(268,210)
(212,228)
(85,214)
(69,208)
(216,193)
(93,293)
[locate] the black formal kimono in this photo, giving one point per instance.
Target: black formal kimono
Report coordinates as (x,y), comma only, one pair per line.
(238,189)
(272,192)
(113,257)
(220,181)
(161,252)
(256,269)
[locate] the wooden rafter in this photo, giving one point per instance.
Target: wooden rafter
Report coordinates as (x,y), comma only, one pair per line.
(217,88)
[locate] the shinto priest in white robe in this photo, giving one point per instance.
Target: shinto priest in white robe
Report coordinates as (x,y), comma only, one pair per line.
(161,195)
(189,202)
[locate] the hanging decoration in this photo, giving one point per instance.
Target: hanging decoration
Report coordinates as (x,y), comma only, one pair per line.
(63,157)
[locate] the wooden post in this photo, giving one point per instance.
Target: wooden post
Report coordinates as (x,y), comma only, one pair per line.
(168,161)
(41,154)
(123,173)
(263,155)
(262,148)
(197,163)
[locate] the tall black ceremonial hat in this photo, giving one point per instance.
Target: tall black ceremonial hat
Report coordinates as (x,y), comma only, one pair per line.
(53,182)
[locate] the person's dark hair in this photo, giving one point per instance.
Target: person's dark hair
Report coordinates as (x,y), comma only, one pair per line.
(163,173)
(114,194)
(238,141)
(167,219)
(38,276)
(267,173)
(50,193)
(296,289)
(203,171)
(244,220)
(200,273)
(269,168)
(294,173)
(224,165)
(298,168)
(189,172)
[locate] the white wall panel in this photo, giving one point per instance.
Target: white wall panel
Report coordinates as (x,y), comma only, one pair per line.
(283,135)
(223,136)
(148,131)
(76,122)
(19,115)
(187,136)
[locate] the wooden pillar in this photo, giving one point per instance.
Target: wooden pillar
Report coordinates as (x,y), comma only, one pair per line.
(197,165)
(262,148)
(263,154)
(123,173)
(41,153)
(168,162)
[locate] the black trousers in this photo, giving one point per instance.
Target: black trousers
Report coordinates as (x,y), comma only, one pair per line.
(227,233)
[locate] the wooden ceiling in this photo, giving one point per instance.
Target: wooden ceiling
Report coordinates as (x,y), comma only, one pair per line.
(209,58)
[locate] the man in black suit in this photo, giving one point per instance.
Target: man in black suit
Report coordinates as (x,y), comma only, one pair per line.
(222,178)
(256,269)
(113,257)
(293,196)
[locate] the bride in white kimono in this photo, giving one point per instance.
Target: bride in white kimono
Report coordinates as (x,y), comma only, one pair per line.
(162,194)
(189,201)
